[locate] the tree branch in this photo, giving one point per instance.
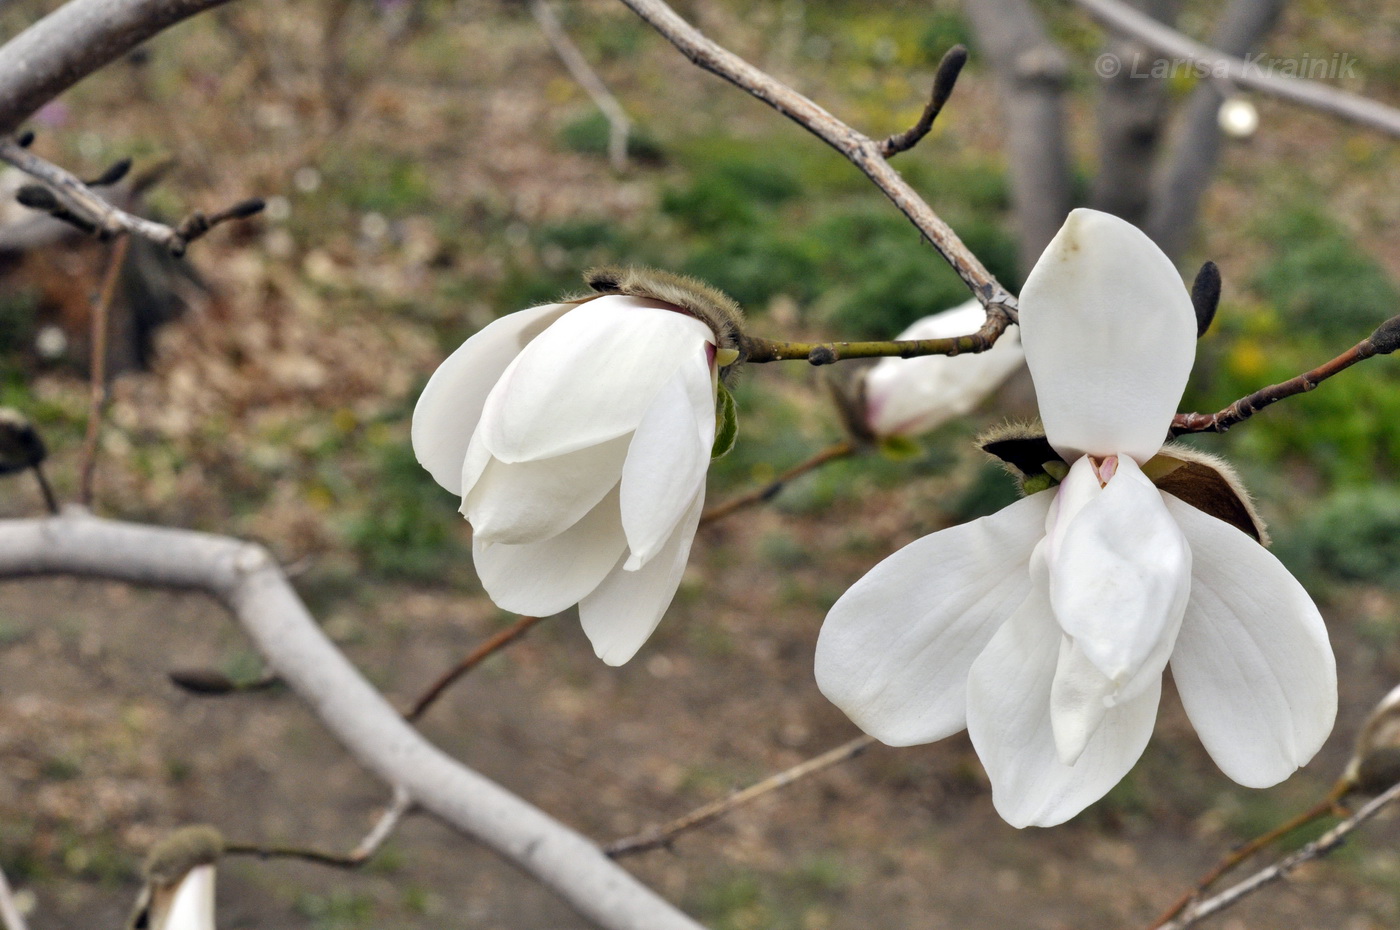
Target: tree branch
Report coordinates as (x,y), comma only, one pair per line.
(399,806)
(618,123)
(1166,40)
(474,658)
(944,80)
(1314,850)
(10,917)
(74,41)
(657,837)
(859,149)
(757,350)
(1383,341)
(69,198)
(246,579)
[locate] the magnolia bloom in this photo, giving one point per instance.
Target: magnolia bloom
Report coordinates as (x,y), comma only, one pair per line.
(578,435)
(1045,628)
(179,891)
(909,396)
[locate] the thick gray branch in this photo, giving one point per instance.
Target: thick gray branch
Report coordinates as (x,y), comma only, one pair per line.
(1353,107)
(1031,72)
(74,41)
(244,577)
(1189,165)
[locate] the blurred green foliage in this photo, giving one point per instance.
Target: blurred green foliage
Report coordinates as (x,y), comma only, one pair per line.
(408,527)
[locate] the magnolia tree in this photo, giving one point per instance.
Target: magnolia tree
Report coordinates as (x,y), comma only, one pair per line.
(578,436)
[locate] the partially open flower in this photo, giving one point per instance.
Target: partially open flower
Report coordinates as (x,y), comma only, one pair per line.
(1044,629)
(909,396)
(579,435)
(179,892)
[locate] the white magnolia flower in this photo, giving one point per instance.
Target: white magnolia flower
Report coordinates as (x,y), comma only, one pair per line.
(1045,628)
(579,435)
(909,396)
(179,890)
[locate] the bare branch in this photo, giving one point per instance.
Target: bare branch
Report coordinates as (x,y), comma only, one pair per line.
(758,350)
(1314,850)
(832,453)
(1383,341)
(657,837)
(474,658)
(97,369)
(245,578)
(619,125)
(859,149)
(71,199)
(944,80)
(399,806)
(74,41)
(1338,103)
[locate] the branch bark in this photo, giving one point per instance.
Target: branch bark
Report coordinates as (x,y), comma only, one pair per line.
(1032,73)
(246,579)
(619,126)
(1352,107)
(859,149)
(74,41)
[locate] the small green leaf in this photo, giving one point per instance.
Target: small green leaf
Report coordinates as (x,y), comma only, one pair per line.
(726,423)
(900,448)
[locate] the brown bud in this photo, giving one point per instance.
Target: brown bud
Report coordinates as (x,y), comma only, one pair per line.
(712,307)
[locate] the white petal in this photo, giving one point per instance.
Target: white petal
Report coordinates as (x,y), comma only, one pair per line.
(1110,336)
(1252,662)
(1120,575)
(909,396)
(588,378)
(623,611)
(542,578)
(895,649)
(450,406)
(1008,719)
(667,460)
(526,502)
(1080,696)
(192,905)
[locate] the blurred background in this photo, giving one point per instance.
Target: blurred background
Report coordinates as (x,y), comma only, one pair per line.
(431,165)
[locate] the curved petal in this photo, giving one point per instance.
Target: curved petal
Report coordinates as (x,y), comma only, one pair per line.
(588,378)
(1252,663)
(527,502)
(667,460)
(622,612)
(1120,575)
(1008,719)
(450,406)
(909,396)
(192,902)
(1110,337)
(542,578)
(895,649)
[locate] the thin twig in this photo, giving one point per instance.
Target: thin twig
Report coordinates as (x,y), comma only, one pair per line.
(1251,74)
(859,149)
(1328,805)
(657,837)
(98,393)
(69,198)
(619,125)
(50,501)
(944,80)
(1314,850)
(833,453)
(1383,341)
(474,658)
(383,828)
(758,350)
(9,909)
